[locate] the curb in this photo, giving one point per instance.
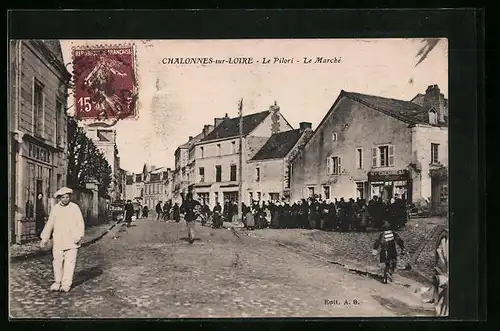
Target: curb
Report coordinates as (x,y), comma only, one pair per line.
(358,271)
(43,252)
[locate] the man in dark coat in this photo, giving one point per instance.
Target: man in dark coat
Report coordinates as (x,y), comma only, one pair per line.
(39,214)
(189,208)
(159,210)
(388,253)
(129,212)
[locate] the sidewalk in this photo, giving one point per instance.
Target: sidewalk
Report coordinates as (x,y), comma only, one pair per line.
(32,249)
(352,250)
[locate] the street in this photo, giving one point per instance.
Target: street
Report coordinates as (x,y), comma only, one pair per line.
(150,271)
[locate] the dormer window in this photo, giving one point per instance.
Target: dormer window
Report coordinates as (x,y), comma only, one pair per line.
(432,116)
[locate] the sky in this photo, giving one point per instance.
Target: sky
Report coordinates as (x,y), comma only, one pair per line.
(176,100)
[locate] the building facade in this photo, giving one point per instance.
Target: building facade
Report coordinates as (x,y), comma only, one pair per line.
(105,141)
(215,177)
(370,146)
(267,177)
(38,131)
(157,186)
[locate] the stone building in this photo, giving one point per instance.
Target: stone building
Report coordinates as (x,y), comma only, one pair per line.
(151,186)
(105,141)
(185,159)
(217,155)
(38,131)
(267,176)
(134,185)
(369,145)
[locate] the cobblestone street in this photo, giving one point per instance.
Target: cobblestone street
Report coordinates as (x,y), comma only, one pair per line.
(150,270)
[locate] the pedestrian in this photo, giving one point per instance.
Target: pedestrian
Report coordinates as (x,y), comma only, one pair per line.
(67,228)
(145,211)
(159,211)
(129,212)
(250,219)
(388,253)
(176,212)
(39,214)
(189,207)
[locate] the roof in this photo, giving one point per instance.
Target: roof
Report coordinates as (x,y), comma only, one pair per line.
(157,170)
(278,145)
(405,111)
(230,126)
(55,47)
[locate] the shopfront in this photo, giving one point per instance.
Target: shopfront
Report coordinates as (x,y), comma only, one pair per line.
(439,190)
(37,163)
(389,184)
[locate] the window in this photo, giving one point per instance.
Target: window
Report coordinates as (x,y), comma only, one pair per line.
(219,149)
(326,192)
(258,196)
(333,165)
(434,153)
(311,192)
(257,174)
(59,127)
(334,136)
(359,158)
(202,152)
(233,147)
(383,156)
(202,174)
(38,111)
(218,173)
(360,190)
(274,196)
(432,117)
(288,176)
(233,173)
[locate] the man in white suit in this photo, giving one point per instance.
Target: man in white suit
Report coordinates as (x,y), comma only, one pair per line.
(67,227)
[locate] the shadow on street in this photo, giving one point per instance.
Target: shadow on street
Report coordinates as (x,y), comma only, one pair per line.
(86,275)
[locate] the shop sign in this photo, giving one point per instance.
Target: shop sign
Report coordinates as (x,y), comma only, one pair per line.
(388,176)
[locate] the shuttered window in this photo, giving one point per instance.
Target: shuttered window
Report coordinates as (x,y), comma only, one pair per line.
(391,155)
(383,156)
(374,157)
(334,165)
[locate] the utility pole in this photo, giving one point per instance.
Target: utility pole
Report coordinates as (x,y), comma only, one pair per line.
(240,170)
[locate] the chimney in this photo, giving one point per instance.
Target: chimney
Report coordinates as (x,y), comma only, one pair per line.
(206,130)
(153,168)
(275,117)
(190,138)
(434,98)
(305,126)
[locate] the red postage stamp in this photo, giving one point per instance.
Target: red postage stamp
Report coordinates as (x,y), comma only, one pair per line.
(105,82)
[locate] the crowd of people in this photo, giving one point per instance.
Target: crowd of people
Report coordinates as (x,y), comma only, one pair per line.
(317,213)
(313,213)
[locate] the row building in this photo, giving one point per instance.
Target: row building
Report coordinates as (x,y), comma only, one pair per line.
(370,146)
(37,131)
(208,164)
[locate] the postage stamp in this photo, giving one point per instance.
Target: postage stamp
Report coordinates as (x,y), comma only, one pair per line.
(105,85)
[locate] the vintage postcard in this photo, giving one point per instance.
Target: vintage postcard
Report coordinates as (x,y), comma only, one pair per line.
(228,178)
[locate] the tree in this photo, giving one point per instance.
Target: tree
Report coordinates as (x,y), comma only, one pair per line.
(86,161)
